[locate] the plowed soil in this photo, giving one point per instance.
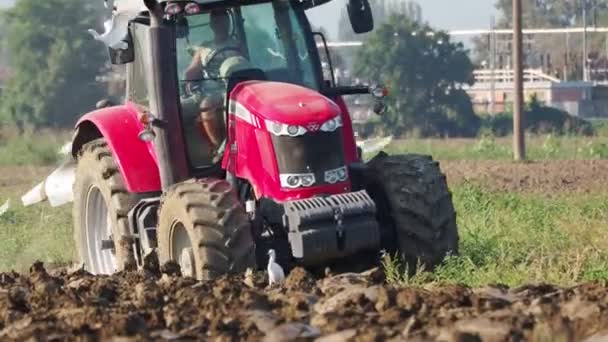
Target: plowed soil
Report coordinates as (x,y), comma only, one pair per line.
(153,305)
(546,177)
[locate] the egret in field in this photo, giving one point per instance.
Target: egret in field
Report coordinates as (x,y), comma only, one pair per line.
(275,272)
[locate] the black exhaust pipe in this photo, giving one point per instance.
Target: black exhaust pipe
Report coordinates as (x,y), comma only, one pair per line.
(164,100)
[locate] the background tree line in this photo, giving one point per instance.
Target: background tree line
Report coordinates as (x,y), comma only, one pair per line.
(425,70)
(53,61)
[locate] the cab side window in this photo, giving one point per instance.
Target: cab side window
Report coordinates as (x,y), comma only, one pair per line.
(136,84)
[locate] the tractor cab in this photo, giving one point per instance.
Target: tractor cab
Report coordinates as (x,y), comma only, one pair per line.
(217,49)
(215,46)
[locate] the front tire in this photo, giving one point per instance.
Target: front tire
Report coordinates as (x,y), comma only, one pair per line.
(101,205)
(203,227)
(415,206)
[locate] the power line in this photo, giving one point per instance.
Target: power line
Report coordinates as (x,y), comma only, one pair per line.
(496,32)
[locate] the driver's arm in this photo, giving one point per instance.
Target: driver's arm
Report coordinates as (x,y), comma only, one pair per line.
(194,71)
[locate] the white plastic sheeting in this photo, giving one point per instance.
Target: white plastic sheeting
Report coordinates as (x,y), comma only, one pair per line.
(5,207)
(57,187)
(374,145)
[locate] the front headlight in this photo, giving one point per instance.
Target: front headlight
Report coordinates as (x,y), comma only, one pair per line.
(278,128)
(336,175)
(294,181)
(332,124)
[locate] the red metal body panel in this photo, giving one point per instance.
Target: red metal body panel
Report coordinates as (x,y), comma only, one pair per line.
(136,159)
(252,155)
(286,103)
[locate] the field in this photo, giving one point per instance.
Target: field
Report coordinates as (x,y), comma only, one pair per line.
(533,263)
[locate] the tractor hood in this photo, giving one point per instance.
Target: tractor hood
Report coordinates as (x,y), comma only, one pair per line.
(284,103)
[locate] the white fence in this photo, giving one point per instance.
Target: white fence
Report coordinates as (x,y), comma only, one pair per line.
(507,75)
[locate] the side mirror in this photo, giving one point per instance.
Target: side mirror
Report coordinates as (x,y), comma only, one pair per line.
(122,56)
(360,15)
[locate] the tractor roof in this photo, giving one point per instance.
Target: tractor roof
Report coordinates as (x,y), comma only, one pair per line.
(138,5)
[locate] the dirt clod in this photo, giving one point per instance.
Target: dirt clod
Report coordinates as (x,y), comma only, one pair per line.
(148,305)
(171,268)
(299,278)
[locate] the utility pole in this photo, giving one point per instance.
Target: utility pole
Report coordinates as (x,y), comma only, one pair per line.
(567,58)
(519,147)
(606,59)
(585,71)
(492,67)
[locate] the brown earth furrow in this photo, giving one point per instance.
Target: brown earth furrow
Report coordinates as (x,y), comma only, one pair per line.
(546,177)
(149,305)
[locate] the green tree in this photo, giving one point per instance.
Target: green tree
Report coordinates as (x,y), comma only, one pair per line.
(53,61)
(424,72)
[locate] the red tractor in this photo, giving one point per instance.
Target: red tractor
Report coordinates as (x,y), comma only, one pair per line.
(230,143)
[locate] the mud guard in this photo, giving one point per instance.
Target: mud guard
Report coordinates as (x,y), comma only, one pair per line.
(120,127)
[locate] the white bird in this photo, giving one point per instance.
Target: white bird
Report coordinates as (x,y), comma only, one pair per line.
(275,271)
(116,30)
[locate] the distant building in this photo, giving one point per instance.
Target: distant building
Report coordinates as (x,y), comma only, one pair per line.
(583,99)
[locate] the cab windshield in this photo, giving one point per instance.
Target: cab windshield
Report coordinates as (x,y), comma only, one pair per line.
(266,41)
(268,37)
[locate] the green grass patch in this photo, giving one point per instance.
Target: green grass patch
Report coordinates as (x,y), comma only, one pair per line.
(488,147)
(35,233)
(506,238)
(513,239)
(30,147)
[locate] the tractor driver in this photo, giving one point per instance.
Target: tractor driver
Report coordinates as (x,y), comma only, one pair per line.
(205,70)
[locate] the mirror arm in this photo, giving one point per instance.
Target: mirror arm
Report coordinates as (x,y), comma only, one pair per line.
(378,93)
(329,61)
(346,90)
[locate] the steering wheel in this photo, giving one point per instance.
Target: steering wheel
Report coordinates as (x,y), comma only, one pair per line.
(215,53)
(189,87)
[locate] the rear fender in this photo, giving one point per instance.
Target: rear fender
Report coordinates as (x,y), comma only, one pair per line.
(120,127)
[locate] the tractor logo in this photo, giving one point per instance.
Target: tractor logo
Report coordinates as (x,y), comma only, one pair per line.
(313,127)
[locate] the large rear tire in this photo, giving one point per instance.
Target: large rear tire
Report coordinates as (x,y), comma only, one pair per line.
(415,204)
(203,227)
(101,205)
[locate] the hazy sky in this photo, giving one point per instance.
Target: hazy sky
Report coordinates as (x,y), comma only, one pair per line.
(443,14)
